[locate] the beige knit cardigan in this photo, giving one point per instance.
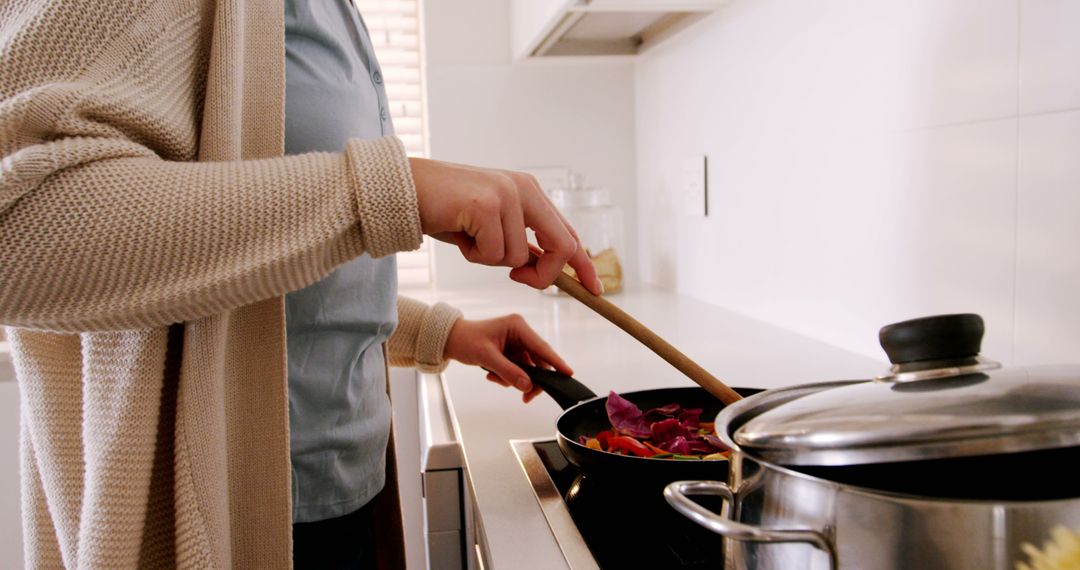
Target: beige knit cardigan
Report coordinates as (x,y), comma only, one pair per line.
(148,228)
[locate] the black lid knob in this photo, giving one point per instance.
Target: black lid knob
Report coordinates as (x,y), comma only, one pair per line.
(933,338)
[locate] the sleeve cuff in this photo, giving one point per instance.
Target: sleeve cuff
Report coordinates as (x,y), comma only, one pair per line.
(385,195)
(431,339)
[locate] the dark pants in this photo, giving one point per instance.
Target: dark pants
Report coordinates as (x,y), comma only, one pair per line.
(346,542)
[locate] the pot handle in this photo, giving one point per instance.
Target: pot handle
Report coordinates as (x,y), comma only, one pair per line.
(565,390)
(678,496)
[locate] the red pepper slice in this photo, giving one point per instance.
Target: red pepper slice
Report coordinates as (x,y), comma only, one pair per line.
(629,445)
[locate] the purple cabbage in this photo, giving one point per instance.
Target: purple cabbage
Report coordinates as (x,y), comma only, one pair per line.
(691,417)
(677,445)
(657,414)
(671,427)
(715,442)
(667,430)
(699,445)
(625,417)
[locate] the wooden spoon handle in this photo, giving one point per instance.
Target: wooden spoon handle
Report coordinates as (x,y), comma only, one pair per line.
(646,336)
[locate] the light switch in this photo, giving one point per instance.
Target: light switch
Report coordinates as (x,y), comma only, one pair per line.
(694,186)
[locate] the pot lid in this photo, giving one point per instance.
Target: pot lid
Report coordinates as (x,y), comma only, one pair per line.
(940,399)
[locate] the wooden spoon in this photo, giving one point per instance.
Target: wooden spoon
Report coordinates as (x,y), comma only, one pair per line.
(646,336)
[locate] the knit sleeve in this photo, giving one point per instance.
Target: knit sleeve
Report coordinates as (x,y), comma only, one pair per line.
(104,234)
(420,337)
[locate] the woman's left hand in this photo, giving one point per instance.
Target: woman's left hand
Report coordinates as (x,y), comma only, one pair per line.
(494,344)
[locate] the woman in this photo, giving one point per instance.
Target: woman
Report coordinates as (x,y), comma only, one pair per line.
(149,227)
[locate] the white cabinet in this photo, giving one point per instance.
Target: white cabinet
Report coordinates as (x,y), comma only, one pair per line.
(11,555)
(439,518)
(542,28)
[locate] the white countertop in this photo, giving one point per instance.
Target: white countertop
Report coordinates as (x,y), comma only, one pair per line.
(740,351)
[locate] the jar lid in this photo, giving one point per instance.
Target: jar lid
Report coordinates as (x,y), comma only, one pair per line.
(576,194)
(949,403)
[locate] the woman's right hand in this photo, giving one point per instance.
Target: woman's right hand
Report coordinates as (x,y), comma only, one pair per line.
(485,212)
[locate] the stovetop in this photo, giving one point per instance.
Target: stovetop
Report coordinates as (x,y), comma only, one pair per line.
(613,524)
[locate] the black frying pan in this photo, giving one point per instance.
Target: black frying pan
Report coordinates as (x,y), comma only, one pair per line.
(584,413)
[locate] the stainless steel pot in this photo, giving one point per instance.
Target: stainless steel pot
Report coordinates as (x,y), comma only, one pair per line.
(944,463)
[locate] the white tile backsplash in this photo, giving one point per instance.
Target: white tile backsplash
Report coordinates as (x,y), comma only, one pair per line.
(1049,55)
(856,233)
(953,61)
(954,232)
(864,166)
(1048,252)
(844,64)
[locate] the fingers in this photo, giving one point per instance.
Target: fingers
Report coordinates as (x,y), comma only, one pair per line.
(525,397)
(486,213)
(506,370)
(537,347)
(558,241)
(494,229)
(533,349)
(516,241)
(581,263)
(553,235)
(531,394)
(491,376)
(482,238)
(586,272)
(495,346)
(557,251)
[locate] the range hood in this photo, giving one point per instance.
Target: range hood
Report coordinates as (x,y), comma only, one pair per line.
(598,27)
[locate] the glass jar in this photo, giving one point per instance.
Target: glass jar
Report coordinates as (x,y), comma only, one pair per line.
(599,224)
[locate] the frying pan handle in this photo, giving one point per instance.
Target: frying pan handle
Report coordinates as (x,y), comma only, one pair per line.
(563,389)
(678,496)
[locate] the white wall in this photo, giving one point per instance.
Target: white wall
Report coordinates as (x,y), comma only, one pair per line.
(871,162)
(484,110)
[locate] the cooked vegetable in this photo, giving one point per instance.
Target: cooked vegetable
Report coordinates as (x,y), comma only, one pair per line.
(655,449)
(629,445)
(667,432)
(625,417)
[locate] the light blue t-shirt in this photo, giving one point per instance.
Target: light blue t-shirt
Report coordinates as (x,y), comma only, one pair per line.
(339,413)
